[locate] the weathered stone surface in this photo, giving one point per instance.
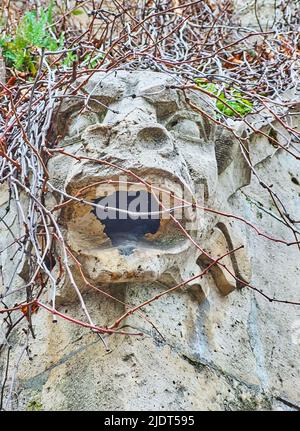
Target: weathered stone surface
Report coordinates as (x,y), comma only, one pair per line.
(260,14)
(213,347)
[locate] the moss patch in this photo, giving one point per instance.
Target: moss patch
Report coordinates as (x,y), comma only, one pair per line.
(34,406)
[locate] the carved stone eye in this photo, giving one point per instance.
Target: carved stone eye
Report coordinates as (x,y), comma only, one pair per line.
(187,128)
(184,127)
(96,136)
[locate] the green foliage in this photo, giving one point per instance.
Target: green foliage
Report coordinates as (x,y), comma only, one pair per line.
(20,51)
(77,12)
(233,99)
(88,60)
(34,406)
(70,58)
(92,61)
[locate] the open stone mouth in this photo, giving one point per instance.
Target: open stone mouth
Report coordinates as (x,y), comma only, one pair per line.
(133,219)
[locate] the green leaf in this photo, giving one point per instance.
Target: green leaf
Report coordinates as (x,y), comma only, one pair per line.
(32,32)
(69,59)
(50,12)
(77,12)
(233,99)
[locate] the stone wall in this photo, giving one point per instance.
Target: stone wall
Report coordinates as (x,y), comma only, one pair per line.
(201,348)
(234,352)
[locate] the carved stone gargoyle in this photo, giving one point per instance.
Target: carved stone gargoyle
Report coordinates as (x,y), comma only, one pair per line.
(141,123)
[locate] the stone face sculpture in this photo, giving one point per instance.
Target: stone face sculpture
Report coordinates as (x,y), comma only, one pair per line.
(212,353)
(141,122)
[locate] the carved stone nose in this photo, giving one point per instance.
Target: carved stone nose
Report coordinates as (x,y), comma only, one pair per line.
(136,127)
(130,111)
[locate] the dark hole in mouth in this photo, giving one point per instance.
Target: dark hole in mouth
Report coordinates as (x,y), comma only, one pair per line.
(125,229)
